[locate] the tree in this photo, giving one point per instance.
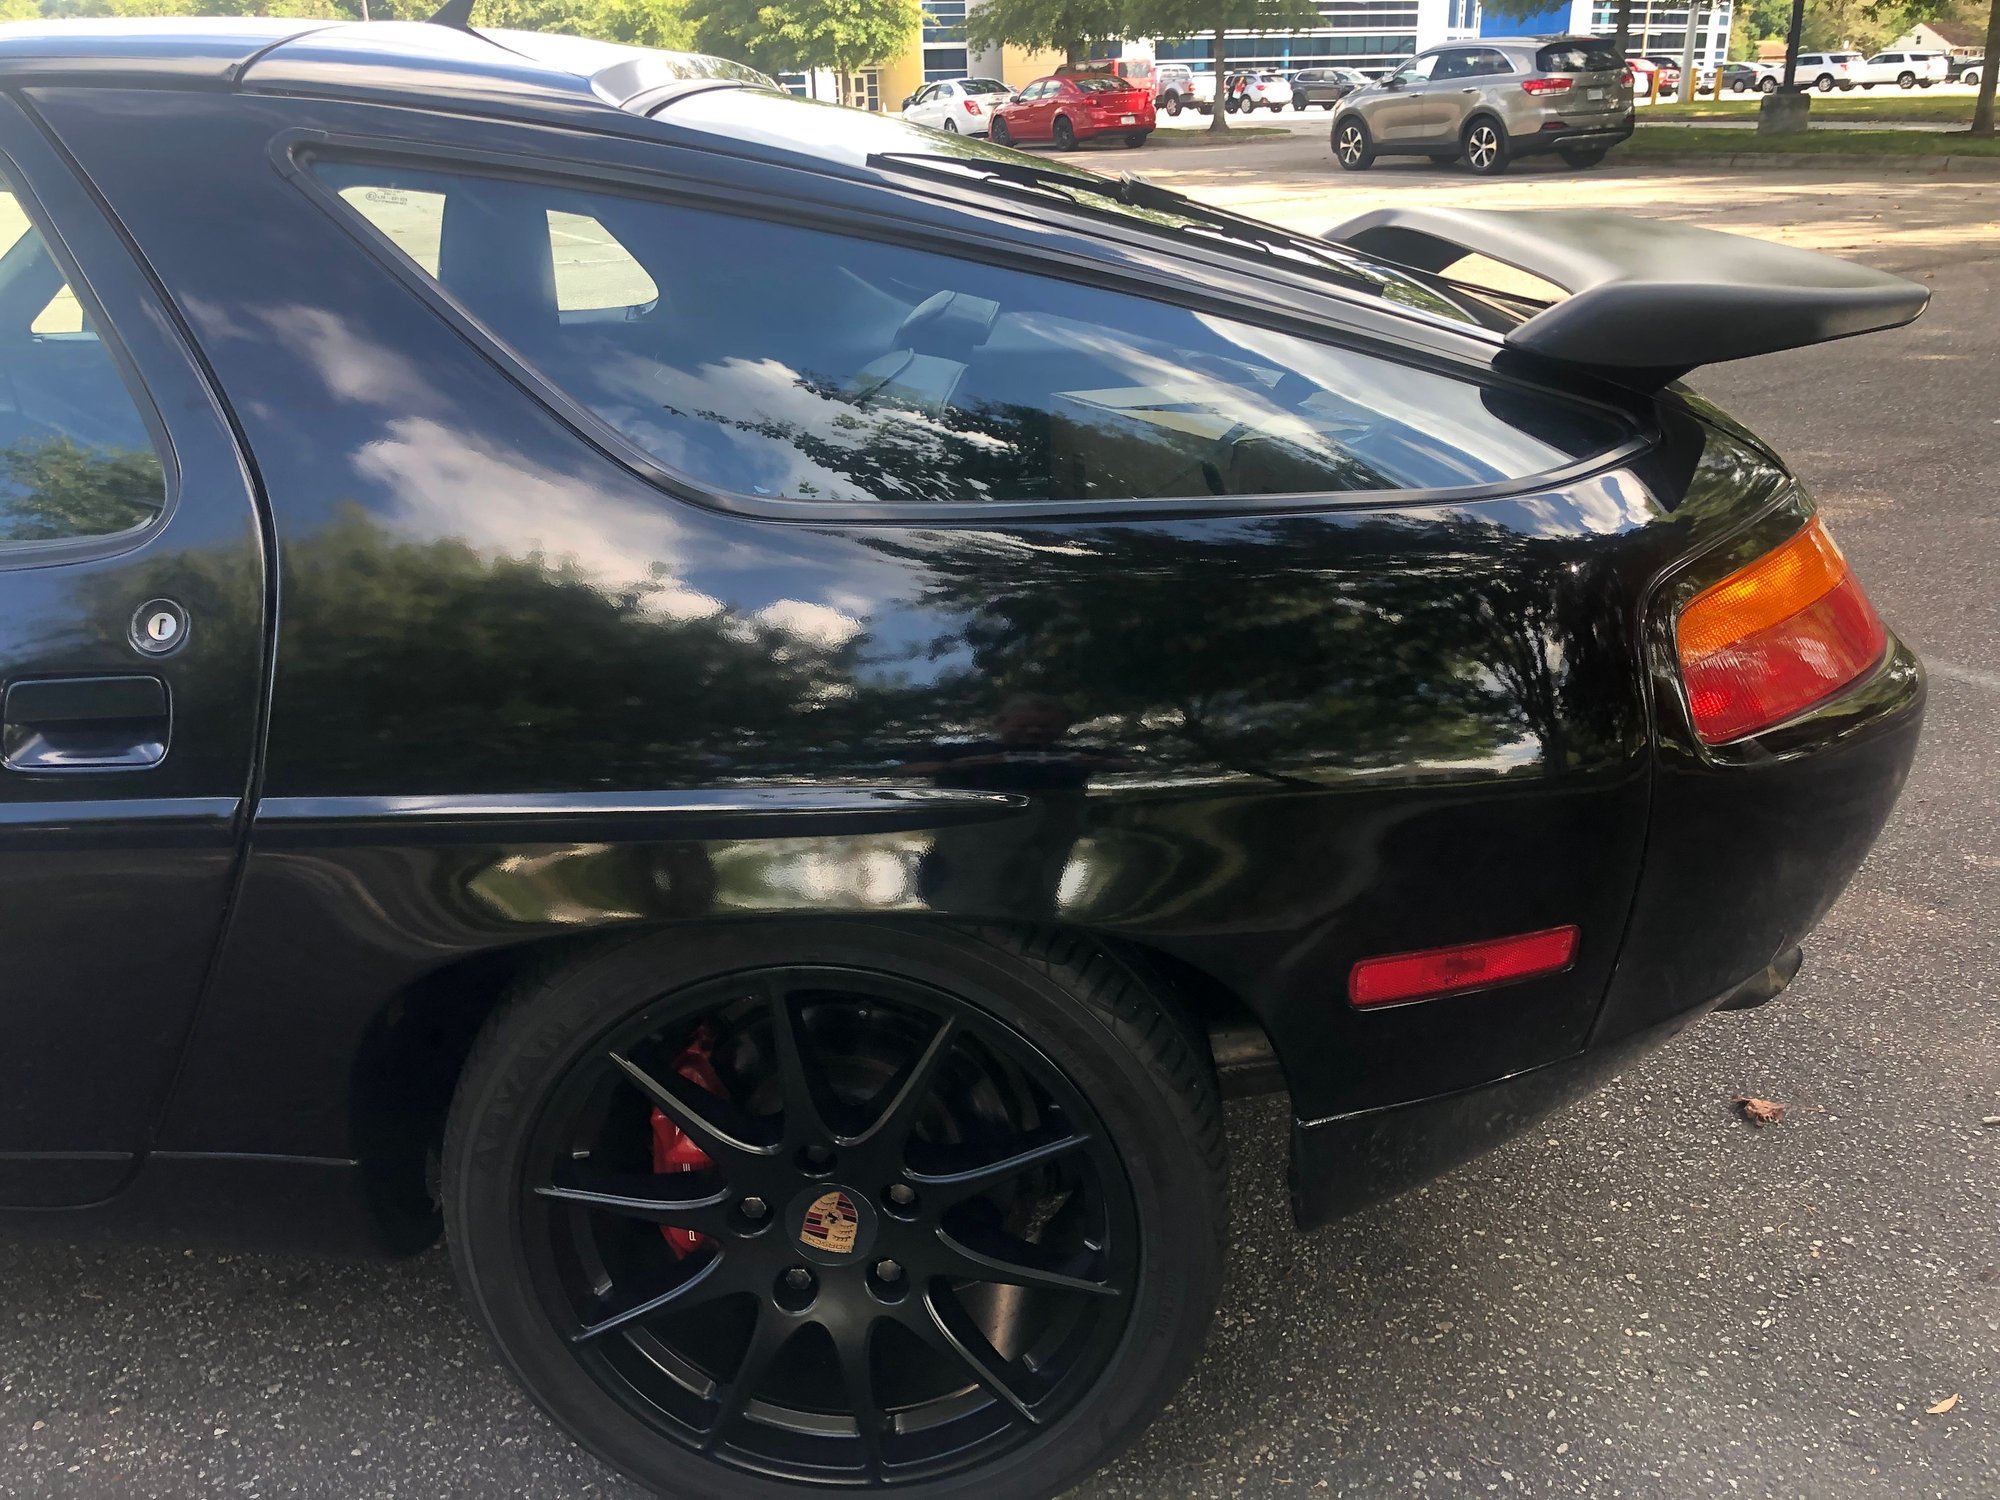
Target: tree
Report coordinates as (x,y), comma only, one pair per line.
(1071,27)
(798,36)
(1176,20)
(1982,112)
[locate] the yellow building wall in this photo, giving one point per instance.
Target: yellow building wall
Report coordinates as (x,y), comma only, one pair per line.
(903,75)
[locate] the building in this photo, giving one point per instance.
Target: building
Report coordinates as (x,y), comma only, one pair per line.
(1656,28)
(1373,35)
(1953,38)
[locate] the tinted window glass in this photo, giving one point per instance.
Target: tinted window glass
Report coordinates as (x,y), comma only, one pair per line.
(1102,85)
(76,459)
(1578,57)
(788,362)
(982,86)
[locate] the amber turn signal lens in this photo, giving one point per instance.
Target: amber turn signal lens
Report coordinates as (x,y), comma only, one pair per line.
(1436,972)
(1773,639)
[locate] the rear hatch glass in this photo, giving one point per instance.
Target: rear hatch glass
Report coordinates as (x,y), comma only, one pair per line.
(1581,56)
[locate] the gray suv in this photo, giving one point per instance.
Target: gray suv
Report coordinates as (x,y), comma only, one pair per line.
(1490,101)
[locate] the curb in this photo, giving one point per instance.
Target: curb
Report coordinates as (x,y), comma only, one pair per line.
(1793,161)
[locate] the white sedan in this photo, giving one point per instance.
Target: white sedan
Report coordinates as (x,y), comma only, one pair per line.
(960,106)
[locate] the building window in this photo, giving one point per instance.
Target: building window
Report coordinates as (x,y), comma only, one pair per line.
(944,20)
(941,63)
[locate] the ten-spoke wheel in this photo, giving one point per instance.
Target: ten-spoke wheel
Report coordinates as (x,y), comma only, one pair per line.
(849,1219)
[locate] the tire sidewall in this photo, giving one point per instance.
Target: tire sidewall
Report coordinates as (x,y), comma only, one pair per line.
(534,1045)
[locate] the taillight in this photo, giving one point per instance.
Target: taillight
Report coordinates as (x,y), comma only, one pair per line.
(1774,638)
(1626,78)
(1398,978)
(1546,85)
(972,106)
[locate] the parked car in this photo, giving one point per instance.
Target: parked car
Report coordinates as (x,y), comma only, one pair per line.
(1173,87)
(1967,69)
(1740,78)
(670,692)
(1325,87)
(1491,102)
(1826,71)
(1134,70)
(1272,91)
(959,106)
(1067,109)
(1906,70)
(1643,70)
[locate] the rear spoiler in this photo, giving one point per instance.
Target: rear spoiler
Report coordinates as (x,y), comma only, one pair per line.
(1648,300)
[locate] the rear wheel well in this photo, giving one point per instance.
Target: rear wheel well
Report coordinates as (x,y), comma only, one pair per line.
(410,1060)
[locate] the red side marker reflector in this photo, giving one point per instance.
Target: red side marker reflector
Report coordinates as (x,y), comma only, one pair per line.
(1397,978)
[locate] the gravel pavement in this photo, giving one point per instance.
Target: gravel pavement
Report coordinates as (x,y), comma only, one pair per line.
(1646,1297)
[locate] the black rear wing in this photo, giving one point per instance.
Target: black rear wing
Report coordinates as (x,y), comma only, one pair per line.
(1648,300)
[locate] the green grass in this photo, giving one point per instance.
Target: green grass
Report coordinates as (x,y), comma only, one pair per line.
(1229,137)
(1915,108)
(1673,140)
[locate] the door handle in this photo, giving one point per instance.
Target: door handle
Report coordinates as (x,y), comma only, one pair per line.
(1469,91)
(85,724)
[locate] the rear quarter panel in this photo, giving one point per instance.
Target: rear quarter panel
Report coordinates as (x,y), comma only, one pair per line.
(1292,740)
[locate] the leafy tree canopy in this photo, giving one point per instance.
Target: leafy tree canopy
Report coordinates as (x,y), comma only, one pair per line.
(1071,27)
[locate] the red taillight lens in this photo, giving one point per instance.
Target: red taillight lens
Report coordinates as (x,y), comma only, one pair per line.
(1546,85)
(1435,972)
(1626,78)
(972,106)
(1773,639)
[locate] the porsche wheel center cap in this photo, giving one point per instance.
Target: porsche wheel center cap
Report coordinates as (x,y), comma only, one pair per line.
(832,1224)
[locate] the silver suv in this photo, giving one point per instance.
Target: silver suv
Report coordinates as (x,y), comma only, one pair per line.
(1490,101)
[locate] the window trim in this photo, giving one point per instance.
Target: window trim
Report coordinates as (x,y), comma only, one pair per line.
(53,551)
(295,151)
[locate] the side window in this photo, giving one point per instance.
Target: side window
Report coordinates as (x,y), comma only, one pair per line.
(593,272)
(1487,61)
(76,459)
(1453,65)
(794,363)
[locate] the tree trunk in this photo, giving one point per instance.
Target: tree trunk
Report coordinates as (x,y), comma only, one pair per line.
(1982,112)
(1218,117)
(1075,55)
(846,87)
(1622,37)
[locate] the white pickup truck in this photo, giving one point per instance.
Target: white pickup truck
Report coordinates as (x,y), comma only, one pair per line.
(1907,70)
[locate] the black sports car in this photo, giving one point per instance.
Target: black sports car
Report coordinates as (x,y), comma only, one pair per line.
(757,712)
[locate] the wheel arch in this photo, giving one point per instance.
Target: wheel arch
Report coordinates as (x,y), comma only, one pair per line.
(407,1064)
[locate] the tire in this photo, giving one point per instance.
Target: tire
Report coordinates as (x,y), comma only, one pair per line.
(1134,139)
(1739,86)
(998,133)
(1582,158)
(1173,103)
(1353,146)
(1484,145)
(1971,76)
(1063,134)
(1767,85)
(1824,83)
(1924,83)
(951,127)
(1056,1041)
(1299,102)
(1906,80)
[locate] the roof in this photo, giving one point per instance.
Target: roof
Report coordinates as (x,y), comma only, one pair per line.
(396,57)
(1954,33)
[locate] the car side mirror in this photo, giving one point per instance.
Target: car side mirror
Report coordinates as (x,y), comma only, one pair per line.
(909,101)
(1392,82)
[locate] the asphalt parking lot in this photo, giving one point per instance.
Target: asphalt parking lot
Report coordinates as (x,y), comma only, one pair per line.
(1645,1298)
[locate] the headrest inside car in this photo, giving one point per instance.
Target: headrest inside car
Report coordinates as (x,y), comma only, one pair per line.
(951,324)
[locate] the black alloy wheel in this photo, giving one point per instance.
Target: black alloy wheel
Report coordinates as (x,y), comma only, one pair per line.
(1582,158)
(898,1241)
(999,132)
(1065,134)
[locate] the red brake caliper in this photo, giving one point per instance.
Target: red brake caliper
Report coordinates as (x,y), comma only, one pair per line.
(673,1151)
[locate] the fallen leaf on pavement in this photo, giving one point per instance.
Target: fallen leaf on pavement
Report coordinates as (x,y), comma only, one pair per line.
(1759,1111)
(1943,1406)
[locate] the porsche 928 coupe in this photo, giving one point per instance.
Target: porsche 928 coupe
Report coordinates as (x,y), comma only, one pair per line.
(754,713)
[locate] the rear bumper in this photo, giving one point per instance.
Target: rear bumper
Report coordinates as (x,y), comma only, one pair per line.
(1573,134)
(1350,1161)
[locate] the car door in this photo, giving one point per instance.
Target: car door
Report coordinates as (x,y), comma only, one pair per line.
(132,610)
(1030,122)
(1400,115)
(1453,92)
(919,110)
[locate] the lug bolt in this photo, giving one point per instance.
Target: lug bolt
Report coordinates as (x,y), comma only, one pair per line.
(902,1194)
(888,1270)
(754,1208)
(798,1278)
